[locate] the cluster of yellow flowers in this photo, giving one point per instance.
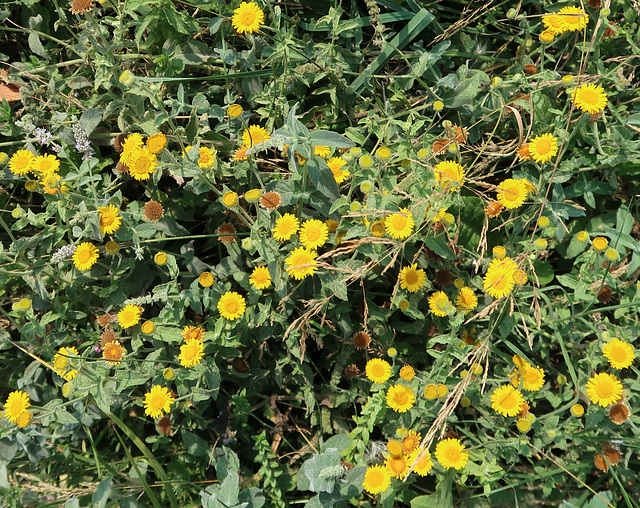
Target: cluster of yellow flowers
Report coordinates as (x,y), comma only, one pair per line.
(139,159)
(46,169)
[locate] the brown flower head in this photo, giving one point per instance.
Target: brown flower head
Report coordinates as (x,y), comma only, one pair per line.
(524,410)
(444,278)
(117,142)
(106,318)
(81,6)
(108,335)
(113,352)
(619,413)
(612,455)
(122,168)
(271,200)
(227,229)
(361,340)
(153,211)
(493,209)
(461,134)
(439,146)
(530,69)
(164,424)
(240,365)
(351,370)
(605,294)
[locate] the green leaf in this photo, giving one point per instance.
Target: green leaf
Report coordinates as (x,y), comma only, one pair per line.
(442,498)
(322,178)
(90,119)
(544,271)
(101,494)
(195,445)
(321,472)
(328,138)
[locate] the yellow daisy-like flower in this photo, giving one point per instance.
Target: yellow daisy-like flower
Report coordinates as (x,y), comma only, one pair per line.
(378,228)
(552,23)
(411,442)
(335,165)
(467,300)
(400,398)
(378,370)
(543,148)
(377,479)
(313,233)
(322,151)
(412,278)
(532,378)
(65,361)
(301,263)
(512,193)
(619,353)
(260,277)
(439,303)
(207,157)
(234,111)
(85,256)
(132,141)
(506,400)
(16,404)
(205,279)
(424,464)
(590,98)
(286,227)
(231,305)
(21,162)
(577,410)
(449,174)
(193,332)
(110,219)
(600,243)
(451,454)
(247,18)
(156,143)
(604,389)
(394,447)
(407,372)
(431,392)
(191,353)
(129,316)
(397,465)
(113,352)
(253,195)
(46,163)
(520,277)
(254,135)
(399,225)
(499,279)
(24,419)
(147,327)
(229,199)
(572,19)
(157,401)
(142,163)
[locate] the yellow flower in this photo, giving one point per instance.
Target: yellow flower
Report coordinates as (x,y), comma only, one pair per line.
(132,141)
(590,98)
(254,135)
(619,353)
(506,400)
(21,162)
(431,392)
(160,258)
(397,465)
(604,389)
(24,419)
(193,332)
(600,243)
(442,390)
(205,279)
(252,195)
(301,263)
(378,370)
(400,398)
(552,24)
(157,400)
(129,316)
(46,163)
(113,353)
(147,327)
(85,256)
(523,425)
(532,378)
(232,305)
(260,277)
(322,151)
(394,447)
(111,247)
(378,228)
(411,442)
(520,277)
(407,372)
(383,153)
(424,464)
(207,157)
(399,225)
(234,111)
(451,453)
(499,279)
(229,199)
(577,410)
(286,227)
(64,362)
(412,278)
(572,19)
(449,174)
(156,142)
(376,479)
(247,18)
(110,219)
(16,404)
(543,148)
(512,193)
(467,300)
(313,233)
(142,163)
(191,353)
(439,303)
(335,164)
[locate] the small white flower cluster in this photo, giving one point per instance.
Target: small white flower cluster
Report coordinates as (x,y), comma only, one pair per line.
(64,252)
